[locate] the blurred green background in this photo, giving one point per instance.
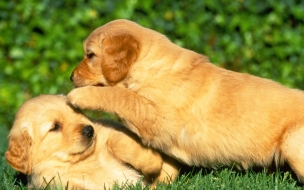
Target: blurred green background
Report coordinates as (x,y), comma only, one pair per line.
(41,40)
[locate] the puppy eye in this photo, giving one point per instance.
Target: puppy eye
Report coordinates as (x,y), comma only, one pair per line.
(90,55)
(56,127)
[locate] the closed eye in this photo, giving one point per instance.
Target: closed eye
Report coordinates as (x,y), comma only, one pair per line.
(56,127)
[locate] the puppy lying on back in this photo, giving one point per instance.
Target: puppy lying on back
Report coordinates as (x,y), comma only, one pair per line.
(178,102)
(52,142)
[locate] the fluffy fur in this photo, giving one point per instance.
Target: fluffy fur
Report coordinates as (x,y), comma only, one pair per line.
(175,100)
(54,143)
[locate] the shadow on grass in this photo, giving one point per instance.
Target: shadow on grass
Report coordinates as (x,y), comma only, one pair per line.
(20,179)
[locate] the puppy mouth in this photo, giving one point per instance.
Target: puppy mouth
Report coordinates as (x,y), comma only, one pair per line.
(89,84)
(99,85)
(88,147)
(75,157)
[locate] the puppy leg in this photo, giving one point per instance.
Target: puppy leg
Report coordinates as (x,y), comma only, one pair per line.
(140,112)
(169,170)
(128,150)
(292,149)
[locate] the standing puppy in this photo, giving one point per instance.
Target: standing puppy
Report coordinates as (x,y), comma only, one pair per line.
(55,144)
(178,102)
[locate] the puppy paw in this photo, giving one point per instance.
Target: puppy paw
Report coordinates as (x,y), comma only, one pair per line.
(79,97)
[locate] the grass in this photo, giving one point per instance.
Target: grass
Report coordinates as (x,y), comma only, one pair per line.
(198,179)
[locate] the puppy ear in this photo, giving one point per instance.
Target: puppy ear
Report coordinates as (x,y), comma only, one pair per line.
(118,54)
(18,153)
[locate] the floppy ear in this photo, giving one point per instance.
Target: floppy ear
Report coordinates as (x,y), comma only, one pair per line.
(118,54)
(18,153)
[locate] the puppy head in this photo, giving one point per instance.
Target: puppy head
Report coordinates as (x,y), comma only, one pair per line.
(47,128)
(110,50)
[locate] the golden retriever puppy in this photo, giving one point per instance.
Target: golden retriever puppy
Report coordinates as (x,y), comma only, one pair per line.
(178,102)
(54,143)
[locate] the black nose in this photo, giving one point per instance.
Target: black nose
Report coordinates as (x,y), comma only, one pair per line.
(88,131)
(71,77)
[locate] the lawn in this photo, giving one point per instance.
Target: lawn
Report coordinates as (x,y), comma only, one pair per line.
(223,178)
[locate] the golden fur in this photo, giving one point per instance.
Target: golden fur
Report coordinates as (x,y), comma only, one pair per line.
(175,100)
(52,142)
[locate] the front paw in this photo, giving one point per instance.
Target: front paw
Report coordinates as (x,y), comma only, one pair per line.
(79,97)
